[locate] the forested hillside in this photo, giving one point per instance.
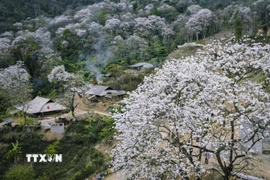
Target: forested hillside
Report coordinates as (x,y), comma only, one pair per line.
(106,37)
(15,11)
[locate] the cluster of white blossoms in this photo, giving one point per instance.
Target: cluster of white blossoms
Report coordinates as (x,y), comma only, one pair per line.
(58,74)
(16,80)
(201,21)
(204,105)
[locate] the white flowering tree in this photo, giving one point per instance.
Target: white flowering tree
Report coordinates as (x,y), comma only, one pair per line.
(193,9)
(193,110)
(59,75)
(147,27)
(69,84)
(112,25)
(246,16)
(15,80)
(200,22)
(4,50)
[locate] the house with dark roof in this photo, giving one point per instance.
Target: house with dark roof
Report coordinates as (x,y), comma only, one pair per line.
(41,105)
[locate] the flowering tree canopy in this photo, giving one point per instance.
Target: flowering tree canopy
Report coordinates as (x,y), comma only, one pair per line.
(200,22)
(195,108)
(58,74)
(148,26)
(245,14)
(193,9)
(112,25)
(16,81)
(67,82)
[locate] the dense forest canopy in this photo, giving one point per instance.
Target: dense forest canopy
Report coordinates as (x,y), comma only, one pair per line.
(15,11)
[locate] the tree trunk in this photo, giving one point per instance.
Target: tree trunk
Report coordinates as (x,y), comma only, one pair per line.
(72,106)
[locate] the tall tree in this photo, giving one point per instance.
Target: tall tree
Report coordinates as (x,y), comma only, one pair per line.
(200,23)
(15,80)
(194,109)
(68,84)
(238,26)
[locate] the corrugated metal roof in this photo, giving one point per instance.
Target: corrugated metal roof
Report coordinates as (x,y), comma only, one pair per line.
(115,92)
(52,106)
(40,105)
(36,105)
(112,93)
(142,64)
(97,90)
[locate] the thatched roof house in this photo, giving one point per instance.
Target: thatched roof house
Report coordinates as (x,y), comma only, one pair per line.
(41,105)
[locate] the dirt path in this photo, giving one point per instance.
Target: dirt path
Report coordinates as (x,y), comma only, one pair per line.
(79,113)
(83,109)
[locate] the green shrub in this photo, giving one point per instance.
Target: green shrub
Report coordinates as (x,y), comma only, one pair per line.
(52,94)
(20,172)
(86,172)
(53,148)
(43,177)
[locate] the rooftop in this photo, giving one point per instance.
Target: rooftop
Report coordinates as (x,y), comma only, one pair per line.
(142,64)
(96,89)
(40,105)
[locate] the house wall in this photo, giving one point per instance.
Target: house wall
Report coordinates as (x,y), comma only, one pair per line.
(58,128)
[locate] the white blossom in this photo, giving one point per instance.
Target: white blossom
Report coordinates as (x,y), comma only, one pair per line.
(83,13)
(148,8)
(59,20)
(193,9)
(147,26)
(18,25)
(58,74)
(4,45)
(80,32)
(15,80)
(200,22)
(112,25)
(191,107)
